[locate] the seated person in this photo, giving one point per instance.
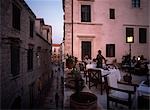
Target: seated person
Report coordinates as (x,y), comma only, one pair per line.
(91,65)
(142,59)
(138,64)
(133,61)
(94,63)
(141,68)
(115,64)
(87,60)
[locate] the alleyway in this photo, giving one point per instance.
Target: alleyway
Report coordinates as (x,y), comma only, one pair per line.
(55,87)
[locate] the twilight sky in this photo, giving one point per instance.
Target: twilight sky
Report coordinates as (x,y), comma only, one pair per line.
(52,12)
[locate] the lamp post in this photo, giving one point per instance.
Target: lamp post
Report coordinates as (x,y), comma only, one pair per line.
(130,40)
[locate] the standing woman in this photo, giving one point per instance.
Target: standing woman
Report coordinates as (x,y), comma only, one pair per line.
(99,59)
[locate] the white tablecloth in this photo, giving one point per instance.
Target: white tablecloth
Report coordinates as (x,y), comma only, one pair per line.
(116,72)
(92,65)
(143,90)
(109,71)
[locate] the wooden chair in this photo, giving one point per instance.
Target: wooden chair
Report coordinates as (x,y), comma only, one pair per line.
(95,77)
(116,94)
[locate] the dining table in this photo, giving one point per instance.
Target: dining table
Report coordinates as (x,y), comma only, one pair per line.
(143,89)
(105,71)
(98,74)
(143,95)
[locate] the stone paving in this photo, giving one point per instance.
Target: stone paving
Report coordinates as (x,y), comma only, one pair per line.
(56,87)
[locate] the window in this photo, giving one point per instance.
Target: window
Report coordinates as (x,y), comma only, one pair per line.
(85,13)
(15,17)
(30,58)
(31,28)
(142,35)
(15,59)
(38,55)
(129,32)
(54,49)
(136,3)
(47,34)
(110,50)
(86,49)
(112,13)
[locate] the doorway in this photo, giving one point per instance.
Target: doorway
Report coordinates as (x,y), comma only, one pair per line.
(86,49)
(31,94)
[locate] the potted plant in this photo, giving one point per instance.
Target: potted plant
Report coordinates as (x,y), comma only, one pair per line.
(81,100)
(79,82)
(71,61)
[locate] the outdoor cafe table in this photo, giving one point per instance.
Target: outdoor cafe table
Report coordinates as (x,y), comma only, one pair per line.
(143,92)
(143,89)
(109,71)
(98,73)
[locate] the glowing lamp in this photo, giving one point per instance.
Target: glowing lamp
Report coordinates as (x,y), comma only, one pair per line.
(130,39)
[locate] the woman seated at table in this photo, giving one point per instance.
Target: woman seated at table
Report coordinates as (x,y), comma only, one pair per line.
(100,59)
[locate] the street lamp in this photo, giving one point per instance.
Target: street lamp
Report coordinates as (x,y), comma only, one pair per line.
(130,40)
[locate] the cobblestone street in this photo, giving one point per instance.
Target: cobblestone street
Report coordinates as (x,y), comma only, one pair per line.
(55,87)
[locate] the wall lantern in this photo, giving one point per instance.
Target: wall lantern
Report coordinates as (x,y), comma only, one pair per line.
(130,39)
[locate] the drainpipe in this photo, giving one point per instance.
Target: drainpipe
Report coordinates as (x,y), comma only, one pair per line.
(72,26)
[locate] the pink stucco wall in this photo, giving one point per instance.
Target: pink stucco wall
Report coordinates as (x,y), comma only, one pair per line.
(102,30)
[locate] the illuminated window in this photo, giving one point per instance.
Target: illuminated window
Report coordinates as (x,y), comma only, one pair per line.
(129,32)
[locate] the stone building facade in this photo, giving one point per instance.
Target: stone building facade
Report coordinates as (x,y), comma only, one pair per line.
(25,55)
(56,52)
(90,25)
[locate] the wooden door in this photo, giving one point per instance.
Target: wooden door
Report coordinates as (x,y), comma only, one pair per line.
(86,49)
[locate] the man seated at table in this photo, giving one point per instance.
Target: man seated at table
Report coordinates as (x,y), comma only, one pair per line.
(141,68)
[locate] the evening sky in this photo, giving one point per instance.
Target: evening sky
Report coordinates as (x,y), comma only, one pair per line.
(52,12)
